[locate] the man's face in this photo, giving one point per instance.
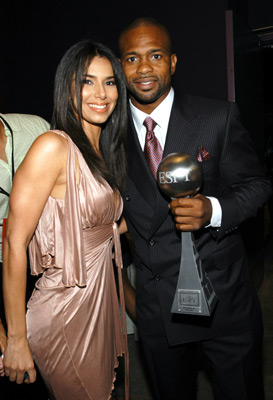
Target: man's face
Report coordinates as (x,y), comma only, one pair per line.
(147,65)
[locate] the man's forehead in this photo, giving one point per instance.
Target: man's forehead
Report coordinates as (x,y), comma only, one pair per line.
(144,39)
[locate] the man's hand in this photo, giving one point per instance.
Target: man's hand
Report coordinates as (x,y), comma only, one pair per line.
(191,213)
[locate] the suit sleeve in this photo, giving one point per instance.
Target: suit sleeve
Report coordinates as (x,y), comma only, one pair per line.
(246,188)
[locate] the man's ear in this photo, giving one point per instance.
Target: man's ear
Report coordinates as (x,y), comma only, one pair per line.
(173,63)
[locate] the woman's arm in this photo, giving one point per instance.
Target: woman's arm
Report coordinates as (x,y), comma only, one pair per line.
(41,173)
(128,288)
(129,295)
(122,228)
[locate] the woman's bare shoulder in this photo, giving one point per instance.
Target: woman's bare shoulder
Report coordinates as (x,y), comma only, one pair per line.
(51,141)
(48,149)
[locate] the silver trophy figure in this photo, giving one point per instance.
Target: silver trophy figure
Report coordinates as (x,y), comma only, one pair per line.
(181,175)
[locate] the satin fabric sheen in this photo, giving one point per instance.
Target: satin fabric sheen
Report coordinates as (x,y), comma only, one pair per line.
(74,326)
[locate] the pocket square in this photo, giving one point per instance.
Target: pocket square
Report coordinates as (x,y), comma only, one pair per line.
(202,154)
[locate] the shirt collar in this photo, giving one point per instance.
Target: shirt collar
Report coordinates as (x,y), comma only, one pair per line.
(13,124)
(7,131)
(160,115)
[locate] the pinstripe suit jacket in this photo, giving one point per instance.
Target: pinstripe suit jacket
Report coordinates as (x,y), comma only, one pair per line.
(234,175)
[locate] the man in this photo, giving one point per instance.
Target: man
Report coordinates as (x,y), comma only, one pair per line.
(234,187)
(17,133)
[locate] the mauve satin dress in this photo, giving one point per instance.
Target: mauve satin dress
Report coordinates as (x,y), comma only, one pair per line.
(74,326)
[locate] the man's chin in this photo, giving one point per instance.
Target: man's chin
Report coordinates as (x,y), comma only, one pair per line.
(145,99)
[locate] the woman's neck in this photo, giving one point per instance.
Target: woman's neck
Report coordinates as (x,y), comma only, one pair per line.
(93,133)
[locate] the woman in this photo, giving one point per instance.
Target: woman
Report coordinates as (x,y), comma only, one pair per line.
(64,204)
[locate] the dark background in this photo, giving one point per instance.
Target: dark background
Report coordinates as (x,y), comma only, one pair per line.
(35,35)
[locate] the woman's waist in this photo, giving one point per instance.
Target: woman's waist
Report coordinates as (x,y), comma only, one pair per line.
(97,236)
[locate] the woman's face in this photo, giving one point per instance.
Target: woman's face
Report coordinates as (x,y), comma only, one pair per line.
(99,92)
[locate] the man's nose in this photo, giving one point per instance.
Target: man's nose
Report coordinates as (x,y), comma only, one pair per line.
(144,67)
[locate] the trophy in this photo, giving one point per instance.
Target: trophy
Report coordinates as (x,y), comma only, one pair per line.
(181,175)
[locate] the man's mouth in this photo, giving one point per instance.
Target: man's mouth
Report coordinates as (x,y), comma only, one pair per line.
(145,83)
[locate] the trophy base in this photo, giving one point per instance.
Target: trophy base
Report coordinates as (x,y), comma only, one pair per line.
(194,292)
(188,301)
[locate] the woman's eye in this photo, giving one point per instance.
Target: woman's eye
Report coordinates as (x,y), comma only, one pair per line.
(87,82)
(110,83)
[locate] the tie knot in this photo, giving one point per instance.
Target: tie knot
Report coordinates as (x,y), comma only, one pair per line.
(150,124)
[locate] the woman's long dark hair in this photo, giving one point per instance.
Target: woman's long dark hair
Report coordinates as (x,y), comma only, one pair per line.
(72,68)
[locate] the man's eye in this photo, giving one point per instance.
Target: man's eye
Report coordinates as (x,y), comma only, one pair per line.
(131,59)
(157,56)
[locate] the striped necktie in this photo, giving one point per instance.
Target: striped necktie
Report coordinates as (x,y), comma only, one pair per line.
(152,149)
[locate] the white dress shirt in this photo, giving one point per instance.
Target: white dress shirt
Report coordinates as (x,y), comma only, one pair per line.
(161,115)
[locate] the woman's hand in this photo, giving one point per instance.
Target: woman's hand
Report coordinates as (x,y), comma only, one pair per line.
(18,360)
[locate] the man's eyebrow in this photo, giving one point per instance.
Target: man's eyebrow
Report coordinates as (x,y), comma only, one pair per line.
(156,50)
(130,53)
(134,53)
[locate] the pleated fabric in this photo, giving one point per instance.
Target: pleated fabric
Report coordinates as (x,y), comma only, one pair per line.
(75,328)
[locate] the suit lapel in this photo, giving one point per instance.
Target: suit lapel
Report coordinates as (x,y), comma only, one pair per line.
(183,134)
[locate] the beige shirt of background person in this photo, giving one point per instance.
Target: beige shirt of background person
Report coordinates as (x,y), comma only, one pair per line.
(26,128)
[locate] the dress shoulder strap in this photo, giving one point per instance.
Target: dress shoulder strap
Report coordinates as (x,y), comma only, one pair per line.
(74,268)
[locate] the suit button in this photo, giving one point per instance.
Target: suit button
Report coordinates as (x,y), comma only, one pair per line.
(151,242)
(127,197)
(157,277)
